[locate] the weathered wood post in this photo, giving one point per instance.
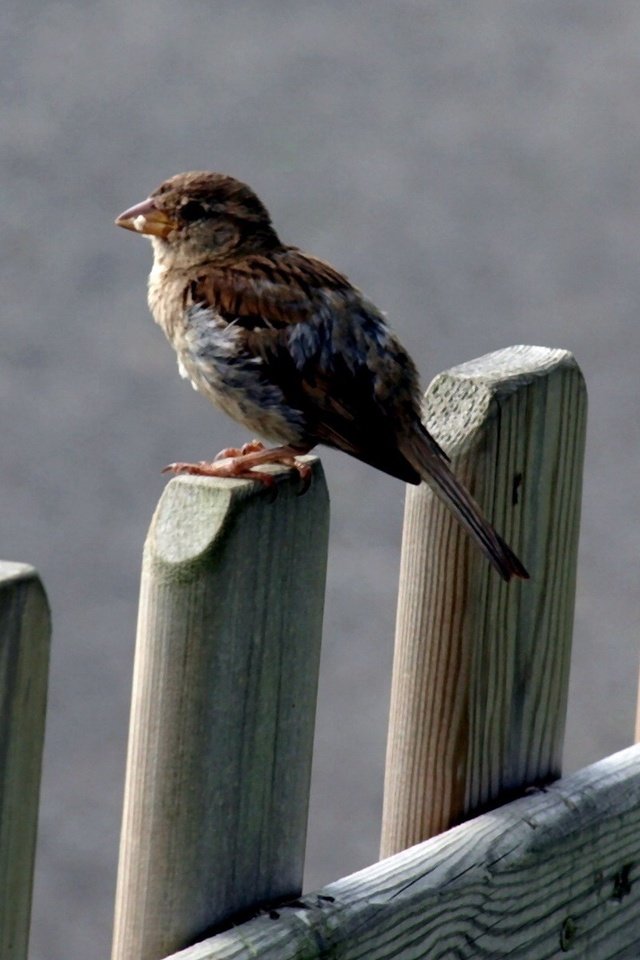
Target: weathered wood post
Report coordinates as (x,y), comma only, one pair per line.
(481,667)
(25,631)
(223,709)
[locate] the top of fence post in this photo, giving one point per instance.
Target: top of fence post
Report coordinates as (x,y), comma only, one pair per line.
(223,707)
(481,667)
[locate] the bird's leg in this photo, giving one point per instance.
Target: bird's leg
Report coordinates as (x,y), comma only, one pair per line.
(240,464)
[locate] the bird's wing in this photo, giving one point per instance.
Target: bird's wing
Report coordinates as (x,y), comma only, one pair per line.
(327,348)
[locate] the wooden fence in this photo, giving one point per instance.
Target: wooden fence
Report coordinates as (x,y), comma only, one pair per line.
(486,851)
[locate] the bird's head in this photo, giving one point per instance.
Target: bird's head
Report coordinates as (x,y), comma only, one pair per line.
(197,217)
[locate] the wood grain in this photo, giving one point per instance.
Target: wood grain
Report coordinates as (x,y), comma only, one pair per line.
(552,873)
(223,707)
(25,632)
(481,667)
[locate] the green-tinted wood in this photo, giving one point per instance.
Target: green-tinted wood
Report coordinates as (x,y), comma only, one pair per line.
(481,667)
(223,710)
(25,632)
(551,874)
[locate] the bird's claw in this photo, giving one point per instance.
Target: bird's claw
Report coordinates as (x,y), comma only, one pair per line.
(305,473)
(253,446)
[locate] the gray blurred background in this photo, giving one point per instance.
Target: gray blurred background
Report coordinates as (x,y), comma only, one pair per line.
(472,165)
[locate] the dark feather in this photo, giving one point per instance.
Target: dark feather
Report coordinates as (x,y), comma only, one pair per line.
(292,307)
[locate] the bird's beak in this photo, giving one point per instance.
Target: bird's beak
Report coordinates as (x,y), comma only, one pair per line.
(146,218)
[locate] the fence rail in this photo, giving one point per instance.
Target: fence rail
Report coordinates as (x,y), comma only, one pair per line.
(553,873)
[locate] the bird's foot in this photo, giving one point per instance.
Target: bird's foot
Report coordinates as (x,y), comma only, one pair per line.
(239,464)
(252,447)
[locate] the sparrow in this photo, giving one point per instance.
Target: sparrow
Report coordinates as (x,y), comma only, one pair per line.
(287,346)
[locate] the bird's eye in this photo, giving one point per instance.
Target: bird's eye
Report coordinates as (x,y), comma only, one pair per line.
(193,211)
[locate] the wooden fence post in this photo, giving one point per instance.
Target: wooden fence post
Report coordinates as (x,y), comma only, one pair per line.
(223,708)
(481,667)
(24,664)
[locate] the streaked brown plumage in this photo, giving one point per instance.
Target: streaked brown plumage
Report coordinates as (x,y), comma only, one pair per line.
(286,345)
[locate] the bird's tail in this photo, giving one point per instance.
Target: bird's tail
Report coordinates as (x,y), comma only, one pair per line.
(425,456)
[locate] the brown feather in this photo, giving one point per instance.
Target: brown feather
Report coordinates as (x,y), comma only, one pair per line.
(266,295)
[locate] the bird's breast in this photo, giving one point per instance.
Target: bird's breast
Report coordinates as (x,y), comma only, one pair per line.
(212,355)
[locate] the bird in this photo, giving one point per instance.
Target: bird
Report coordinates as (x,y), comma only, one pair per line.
(287,346)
